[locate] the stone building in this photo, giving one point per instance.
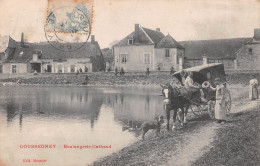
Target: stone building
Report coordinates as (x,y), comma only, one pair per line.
(248,56)
(212,51)
(145,48)
(22,57)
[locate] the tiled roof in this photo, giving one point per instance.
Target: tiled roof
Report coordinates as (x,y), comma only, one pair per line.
(156,36)
(213,49)
(146,36)
(23,54)
(168,42)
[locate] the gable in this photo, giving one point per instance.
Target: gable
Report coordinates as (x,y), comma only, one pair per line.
(146,37)
(168,42)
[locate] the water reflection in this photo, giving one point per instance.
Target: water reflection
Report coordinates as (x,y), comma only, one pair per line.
(97,114)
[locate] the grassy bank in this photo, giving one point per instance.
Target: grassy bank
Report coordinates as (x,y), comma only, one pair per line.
(154,150)
(237,143)
(106,79)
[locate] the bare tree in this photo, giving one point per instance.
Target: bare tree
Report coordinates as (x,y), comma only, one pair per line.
(113,43)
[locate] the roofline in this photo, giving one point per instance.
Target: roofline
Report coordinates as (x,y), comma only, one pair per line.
(147,34)
(132,45)
(226,58)
(238,51)
(215,39)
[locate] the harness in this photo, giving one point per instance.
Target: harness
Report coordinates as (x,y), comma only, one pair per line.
(180,95)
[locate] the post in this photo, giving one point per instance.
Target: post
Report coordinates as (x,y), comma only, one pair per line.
(180,63)
(235,63)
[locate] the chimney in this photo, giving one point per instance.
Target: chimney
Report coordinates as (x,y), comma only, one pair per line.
(136,34)
(158,29)
(92,39)
(22,40)
(257,33)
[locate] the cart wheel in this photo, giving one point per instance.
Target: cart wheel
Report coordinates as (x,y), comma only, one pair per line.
(211,109)
(228,101)
(196,110)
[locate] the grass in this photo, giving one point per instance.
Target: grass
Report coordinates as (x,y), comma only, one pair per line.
(237,143)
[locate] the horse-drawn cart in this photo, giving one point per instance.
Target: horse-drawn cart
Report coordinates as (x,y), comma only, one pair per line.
(205,75)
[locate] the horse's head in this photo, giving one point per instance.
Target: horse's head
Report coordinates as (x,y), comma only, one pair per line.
(167,93)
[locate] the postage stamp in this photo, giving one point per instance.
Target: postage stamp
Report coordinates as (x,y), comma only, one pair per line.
(68,25)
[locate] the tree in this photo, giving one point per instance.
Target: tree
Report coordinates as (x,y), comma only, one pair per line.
(113,43)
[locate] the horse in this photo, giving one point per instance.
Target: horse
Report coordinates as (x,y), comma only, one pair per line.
(174,100)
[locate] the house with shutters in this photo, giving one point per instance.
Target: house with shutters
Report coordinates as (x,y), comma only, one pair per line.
(23,57)
(146,48)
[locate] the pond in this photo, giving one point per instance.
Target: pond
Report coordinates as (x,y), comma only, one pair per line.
(33,116)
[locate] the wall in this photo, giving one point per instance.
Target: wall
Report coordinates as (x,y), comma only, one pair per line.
(192,62)
(20,67)
(228,64)
(66,65)
(135,57)
(164,62)
(249,61)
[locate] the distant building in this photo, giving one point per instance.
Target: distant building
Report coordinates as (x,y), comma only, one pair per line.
(108,56)
(248,56)
(212,51)
(145,48)
(21,57)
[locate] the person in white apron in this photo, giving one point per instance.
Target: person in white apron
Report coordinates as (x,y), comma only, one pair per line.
(220,106)
(253,92)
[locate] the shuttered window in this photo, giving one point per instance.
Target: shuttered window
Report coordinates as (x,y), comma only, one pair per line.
(147,58)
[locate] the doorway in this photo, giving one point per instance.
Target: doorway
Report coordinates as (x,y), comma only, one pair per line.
(49,68)
(36,67)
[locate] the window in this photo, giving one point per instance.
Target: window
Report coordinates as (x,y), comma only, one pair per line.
(250,50)
(13,68)
(167,53)
(123,58)
(49,68)
(130,41)
(147,58)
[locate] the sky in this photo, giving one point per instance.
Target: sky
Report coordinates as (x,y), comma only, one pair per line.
(115,19)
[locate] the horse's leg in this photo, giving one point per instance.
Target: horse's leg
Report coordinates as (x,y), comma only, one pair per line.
(144,132)
(182,116)
(185,114)
(174,118)
(168,119)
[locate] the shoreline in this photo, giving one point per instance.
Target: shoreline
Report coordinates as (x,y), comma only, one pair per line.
(208,138)
(104,79)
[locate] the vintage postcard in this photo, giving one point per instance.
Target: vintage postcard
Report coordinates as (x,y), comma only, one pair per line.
(129,82)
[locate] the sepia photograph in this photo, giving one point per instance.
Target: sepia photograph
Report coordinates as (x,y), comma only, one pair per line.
(129,82)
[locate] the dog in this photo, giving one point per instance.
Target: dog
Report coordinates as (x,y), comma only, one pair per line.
(146,126)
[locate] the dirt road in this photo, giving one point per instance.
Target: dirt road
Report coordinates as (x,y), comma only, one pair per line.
(183,146)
